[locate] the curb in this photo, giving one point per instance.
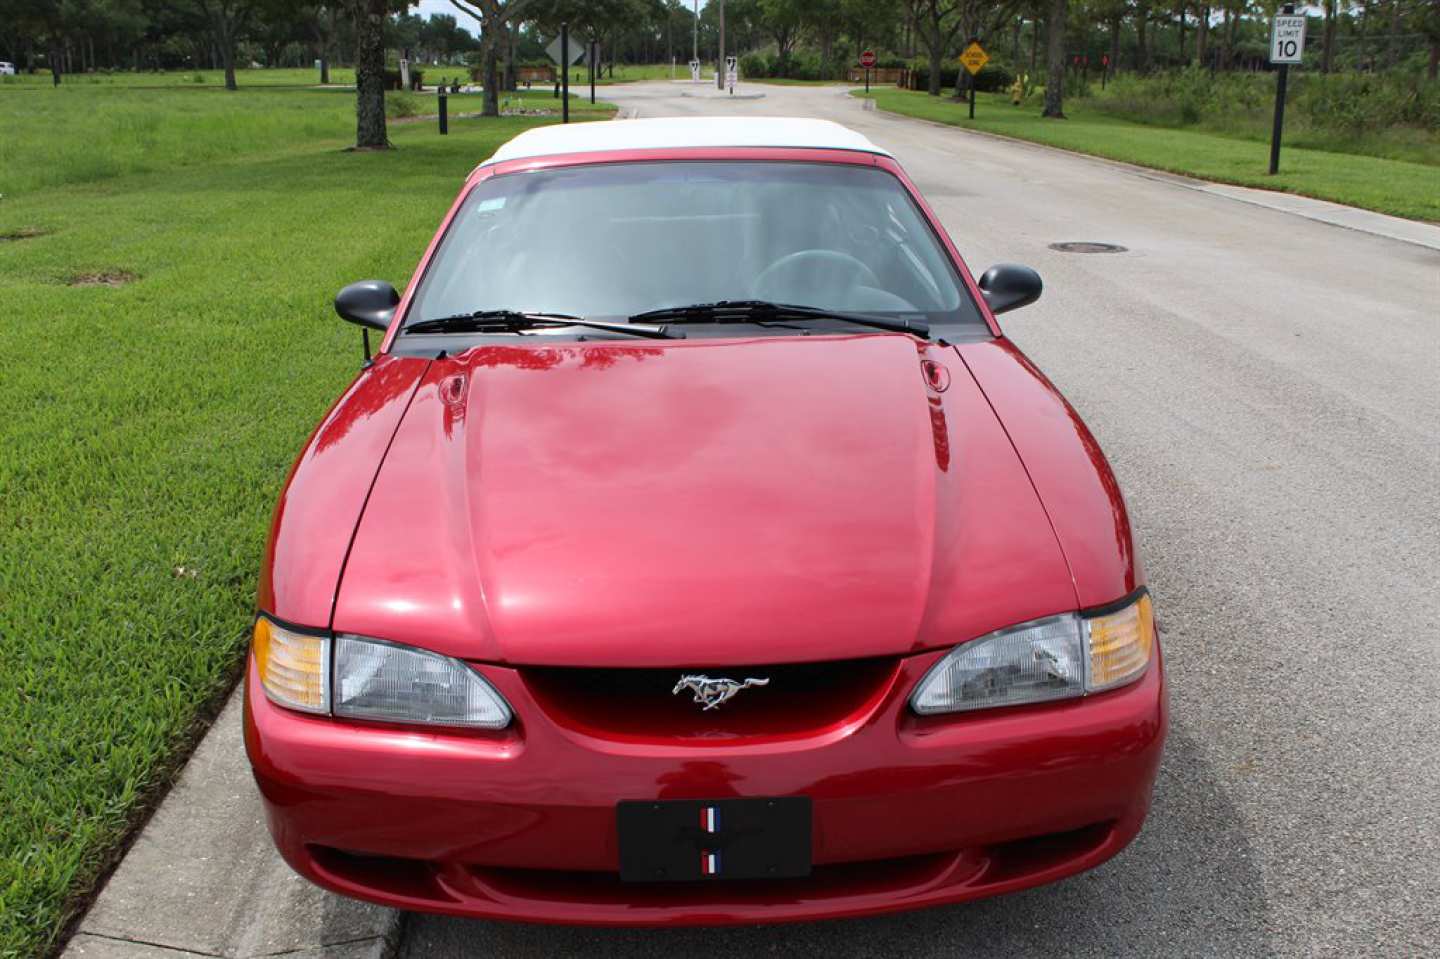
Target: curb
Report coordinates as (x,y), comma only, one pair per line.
(203,879)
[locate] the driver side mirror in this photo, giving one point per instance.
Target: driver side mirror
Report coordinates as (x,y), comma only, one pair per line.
(1009,286)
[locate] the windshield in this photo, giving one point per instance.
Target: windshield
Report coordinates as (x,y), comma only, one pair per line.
(613,240)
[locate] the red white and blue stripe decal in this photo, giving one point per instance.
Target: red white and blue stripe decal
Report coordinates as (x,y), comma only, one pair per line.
(709,823)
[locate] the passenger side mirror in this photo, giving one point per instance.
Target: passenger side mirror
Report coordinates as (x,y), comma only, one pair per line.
(369,303)
(1009,286)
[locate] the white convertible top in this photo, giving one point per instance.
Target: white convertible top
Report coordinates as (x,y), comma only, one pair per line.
(669,132)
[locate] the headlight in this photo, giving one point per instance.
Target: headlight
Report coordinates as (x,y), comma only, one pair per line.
(390,683)
(372,680)
(1059,657)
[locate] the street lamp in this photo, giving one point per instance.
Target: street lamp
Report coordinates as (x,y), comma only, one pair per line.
(720,61)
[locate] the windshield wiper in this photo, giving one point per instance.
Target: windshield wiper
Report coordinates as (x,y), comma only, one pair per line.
(759,311)
(516,321)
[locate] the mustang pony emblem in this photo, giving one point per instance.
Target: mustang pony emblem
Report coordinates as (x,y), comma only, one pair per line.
(712,692)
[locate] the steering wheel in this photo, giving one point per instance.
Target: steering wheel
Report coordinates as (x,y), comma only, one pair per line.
(811,277)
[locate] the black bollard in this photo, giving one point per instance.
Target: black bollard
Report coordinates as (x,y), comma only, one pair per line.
(444,117)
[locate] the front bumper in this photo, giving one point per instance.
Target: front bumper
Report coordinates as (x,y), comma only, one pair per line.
(908,811)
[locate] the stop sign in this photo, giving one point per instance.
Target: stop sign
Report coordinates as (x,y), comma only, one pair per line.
(867,59)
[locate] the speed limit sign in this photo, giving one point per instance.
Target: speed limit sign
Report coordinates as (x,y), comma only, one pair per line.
(1287,39)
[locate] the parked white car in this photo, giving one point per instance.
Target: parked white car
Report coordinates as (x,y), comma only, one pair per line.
(7,69)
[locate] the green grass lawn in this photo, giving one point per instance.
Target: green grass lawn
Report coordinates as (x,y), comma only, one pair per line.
(79,134)
(1389,186)
(149,426)
(285,76)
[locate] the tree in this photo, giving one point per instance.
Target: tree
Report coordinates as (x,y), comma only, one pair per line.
(1055,59)
(1142,44)
(782,20)
(493,16)
(228,21)
(370,17)
(937,23)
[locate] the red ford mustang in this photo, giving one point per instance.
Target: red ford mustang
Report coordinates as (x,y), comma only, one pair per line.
(696,549)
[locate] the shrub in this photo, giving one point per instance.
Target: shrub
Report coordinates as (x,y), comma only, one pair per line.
(754,65)
(402,104)
(1394,115)
(991,77)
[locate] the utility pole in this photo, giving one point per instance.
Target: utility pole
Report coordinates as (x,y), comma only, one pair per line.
(695,40)
(720,60)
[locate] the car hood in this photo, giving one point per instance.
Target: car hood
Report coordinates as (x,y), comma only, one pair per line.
(703,502)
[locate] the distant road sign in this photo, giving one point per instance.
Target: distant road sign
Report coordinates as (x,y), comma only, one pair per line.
(867,59)
(974,57)
(577,50)
(1287,39)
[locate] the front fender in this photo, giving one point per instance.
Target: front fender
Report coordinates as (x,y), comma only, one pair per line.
(1066,466)
(325,493)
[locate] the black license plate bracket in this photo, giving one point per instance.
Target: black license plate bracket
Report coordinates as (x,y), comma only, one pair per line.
(677,840)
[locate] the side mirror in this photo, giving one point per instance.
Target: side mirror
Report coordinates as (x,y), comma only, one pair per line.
(1009,286)
(370,303)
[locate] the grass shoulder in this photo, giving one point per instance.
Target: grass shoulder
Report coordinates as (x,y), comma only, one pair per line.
(183,316)
(1396,187)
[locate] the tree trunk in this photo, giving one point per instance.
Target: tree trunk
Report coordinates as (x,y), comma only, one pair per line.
(489,74)
(1055,59)
(1433,69)
(1182,33)
(936,62)
(1142,47)
(1327,53)
(1114,47)
(1202,36)
(510,81)
(54,59)
(370,74)
(226,43)
(1227,39)
(1034,44)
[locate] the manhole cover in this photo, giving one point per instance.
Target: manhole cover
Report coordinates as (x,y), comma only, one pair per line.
(1084,246)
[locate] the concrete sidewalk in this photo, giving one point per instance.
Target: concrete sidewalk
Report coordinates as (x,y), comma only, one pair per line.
(203,879)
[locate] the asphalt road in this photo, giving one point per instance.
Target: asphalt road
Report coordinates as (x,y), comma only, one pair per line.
(1268,390)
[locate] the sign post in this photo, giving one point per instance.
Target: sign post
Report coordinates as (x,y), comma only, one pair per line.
(694,71)
(1287,46)
(565,73)
(732,73)
(592,56)
(867,60)
(973,58)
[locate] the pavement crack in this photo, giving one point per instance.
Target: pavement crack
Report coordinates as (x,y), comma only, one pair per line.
(318,945)
(153,945)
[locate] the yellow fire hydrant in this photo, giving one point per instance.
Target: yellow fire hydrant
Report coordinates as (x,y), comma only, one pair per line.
(1017,90)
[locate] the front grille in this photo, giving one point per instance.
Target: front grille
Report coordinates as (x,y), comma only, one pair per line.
(638,705)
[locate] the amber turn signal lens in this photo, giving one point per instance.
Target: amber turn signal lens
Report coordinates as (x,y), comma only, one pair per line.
(294,668)
(1121,644)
